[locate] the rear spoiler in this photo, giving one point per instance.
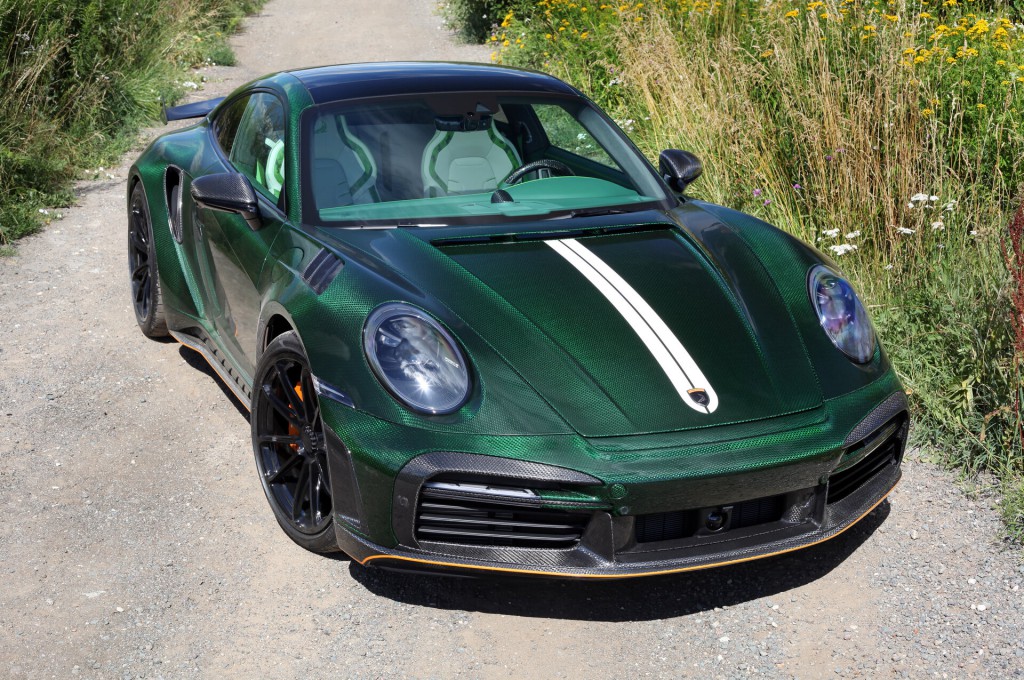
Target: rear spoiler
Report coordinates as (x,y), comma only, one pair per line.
(193,110)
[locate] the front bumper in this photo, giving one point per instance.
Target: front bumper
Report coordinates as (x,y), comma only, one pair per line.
(654,528)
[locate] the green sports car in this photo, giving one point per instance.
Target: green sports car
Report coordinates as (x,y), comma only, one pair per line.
(477,330)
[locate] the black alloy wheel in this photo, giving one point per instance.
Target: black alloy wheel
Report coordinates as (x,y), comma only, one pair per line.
(142,267)
(288,440)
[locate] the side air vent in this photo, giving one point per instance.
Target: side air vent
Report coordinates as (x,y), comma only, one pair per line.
(321,271)
(479,514)
(884,449)
(172,194)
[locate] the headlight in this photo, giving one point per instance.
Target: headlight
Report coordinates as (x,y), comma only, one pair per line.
(416,359)
(841,314)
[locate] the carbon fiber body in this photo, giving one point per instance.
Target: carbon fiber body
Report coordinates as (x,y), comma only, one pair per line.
(575,452)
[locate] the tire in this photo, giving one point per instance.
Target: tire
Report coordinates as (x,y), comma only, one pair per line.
(143,275)
(288,442)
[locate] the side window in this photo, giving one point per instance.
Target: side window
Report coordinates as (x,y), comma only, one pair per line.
(227,123)
(565,132)
(252,131)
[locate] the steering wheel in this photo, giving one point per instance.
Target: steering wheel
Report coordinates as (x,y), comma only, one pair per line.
(523,170)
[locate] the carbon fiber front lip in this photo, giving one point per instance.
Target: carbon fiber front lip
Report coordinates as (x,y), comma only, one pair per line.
(587,564)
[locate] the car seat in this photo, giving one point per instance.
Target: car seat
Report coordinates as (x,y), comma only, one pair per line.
(344,171)
(458,160)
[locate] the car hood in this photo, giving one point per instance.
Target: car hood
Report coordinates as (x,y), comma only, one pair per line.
(637,328)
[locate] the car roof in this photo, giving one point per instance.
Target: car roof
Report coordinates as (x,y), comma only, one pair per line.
(356,81)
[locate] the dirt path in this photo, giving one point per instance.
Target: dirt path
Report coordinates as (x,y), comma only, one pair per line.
(136,540)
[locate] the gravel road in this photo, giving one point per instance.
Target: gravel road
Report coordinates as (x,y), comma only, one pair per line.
(138,543)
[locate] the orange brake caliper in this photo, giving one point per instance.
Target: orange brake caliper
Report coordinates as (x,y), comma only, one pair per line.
(292,430)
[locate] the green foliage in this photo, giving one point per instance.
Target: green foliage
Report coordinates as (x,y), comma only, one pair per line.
(1013,507)
(77,78)
(473,19)
(890,134)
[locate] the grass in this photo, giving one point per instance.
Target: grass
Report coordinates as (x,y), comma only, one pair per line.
(79,77)
(889,133)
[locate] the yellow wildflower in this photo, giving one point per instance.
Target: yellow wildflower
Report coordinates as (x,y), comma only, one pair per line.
(981,107)
(792,14)
(927,112)
(980,27)
(767,53)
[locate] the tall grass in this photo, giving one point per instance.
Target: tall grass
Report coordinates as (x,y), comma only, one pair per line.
(77,77)
(888,133)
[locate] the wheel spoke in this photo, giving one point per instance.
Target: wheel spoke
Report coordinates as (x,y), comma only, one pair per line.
(279,439)
(138,235)
(281,408)
(310,403)
(314,495)
(301,489)
(285,467)
(140,272)
(294,400)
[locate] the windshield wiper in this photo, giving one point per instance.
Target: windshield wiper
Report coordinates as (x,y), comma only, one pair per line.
(597,212)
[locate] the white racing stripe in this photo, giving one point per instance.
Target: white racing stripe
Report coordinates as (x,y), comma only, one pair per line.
(679,366)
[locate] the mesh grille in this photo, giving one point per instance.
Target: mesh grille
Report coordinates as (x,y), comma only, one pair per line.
(461,518)
(842,484)
(668,526)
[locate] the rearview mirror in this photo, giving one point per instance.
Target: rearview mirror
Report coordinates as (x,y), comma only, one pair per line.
(679,168)
(228,192)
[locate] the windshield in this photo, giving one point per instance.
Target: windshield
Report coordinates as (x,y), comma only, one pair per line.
(467,157)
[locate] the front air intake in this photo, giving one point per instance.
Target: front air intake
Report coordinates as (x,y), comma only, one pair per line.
(883,447)
(494,516)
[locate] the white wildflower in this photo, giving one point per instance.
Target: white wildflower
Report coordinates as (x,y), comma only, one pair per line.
(888,267)
(831,233)
(853,234)
(905,231)
(910,205)
(933,198)
(949,205)
(842,248)
(973,232)
(44,211)
(919,198)
(938,226)
(189,85)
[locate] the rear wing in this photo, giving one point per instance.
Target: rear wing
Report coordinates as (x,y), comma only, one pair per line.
(193,110)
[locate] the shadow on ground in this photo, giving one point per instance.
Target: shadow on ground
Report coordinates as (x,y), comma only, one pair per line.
(196,361)
(642,599)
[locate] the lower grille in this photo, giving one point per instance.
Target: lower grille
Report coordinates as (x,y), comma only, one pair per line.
(666,526)
(457,517)
(842,484)
(669,526)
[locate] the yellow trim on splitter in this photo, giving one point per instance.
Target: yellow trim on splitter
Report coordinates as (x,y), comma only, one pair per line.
(535,572)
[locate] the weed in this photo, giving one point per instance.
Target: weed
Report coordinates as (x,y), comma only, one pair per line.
(80,76)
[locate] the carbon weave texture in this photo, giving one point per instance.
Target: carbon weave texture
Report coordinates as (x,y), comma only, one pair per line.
(838,518)
(894,404)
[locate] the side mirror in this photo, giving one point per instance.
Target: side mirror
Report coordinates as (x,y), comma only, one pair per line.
(228,192)
(679,168)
